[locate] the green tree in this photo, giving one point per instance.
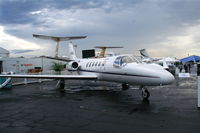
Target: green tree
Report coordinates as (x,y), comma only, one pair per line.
(58,67)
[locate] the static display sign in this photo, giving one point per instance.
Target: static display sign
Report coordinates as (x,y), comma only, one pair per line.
(88,53)
(183,75)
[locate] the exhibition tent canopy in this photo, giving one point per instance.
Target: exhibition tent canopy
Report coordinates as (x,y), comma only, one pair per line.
(192,58)
(168,59)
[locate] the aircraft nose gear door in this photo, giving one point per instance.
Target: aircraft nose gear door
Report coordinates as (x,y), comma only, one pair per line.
(145,93)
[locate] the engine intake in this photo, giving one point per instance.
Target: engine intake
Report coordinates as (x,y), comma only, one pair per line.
(73,65)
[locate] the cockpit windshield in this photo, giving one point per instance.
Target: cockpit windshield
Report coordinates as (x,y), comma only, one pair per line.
(123,60)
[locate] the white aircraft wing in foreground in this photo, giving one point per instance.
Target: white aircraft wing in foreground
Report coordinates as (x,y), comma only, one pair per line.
(86,77)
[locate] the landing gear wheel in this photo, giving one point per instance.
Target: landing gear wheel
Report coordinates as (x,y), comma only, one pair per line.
(145,94)
(61,85)
(125,86)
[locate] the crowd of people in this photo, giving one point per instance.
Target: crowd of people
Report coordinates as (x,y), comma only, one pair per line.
(186,67)
(179,67)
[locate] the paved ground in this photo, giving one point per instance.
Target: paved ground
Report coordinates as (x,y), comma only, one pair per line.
(39,108)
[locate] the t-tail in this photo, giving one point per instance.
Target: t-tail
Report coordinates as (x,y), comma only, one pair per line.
(58,39)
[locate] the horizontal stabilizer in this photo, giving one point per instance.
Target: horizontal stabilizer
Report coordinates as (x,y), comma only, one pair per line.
(105,47)
(58,38)
(77,77)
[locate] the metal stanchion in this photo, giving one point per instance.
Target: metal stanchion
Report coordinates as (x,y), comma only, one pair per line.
(25,81)
(198,92)
(198,86)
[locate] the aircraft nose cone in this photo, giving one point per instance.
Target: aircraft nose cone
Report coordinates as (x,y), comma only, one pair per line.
(167,78)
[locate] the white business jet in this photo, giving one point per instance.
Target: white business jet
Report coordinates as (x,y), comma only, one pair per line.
(125,69)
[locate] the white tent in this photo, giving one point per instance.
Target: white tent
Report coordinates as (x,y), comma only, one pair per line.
(4,52)
(168,59)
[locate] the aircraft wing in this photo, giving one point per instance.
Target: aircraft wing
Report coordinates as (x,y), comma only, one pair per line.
(78,77)
(57,58)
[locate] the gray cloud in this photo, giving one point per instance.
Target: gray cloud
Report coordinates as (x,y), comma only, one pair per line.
(132,23)
(16,11)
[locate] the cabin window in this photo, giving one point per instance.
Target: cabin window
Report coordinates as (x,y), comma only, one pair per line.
(99,64)
(96,64)
(93,63)
(90,64)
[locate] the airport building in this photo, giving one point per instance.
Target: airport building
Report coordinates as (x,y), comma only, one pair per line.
(4,52)
(20,65)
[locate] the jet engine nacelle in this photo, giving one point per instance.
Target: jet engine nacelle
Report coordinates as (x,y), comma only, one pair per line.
(73,65)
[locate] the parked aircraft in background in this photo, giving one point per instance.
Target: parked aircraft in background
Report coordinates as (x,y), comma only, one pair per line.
(102,51)
(124,69)
(163,61)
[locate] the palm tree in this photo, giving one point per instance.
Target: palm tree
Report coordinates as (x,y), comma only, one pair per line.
(58,67)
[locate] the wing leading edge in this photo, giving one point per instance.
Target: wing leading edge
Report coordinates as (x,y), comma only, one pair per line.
(78,77)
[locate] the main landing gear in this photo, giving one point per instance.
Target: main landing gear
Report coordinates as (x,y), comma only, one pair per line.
(145,93)
(61,85)
(125,86)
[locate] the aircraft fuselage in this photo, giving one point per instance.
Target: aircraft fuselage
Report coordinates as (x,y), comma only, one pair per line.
(106,69)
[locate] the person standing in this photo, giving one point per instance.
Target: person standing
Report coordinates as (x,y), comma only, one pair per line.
(180,67)
(185,68)
(189,67)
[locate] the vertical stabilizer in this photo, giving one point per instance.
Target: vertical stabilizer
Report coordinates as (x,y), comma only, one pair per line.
(144,53)
(72,54)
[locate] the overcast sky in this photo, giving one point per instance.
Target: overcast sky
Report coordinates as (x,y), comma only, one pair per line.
(163,27)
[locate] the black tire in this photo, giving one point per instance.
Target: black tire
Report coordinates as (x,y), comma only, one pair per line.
(62,86)
(145,94)
(125,86)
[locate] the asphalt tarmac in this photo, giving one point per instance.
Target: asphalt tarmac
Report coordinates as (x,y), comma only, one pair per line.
(41,108)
